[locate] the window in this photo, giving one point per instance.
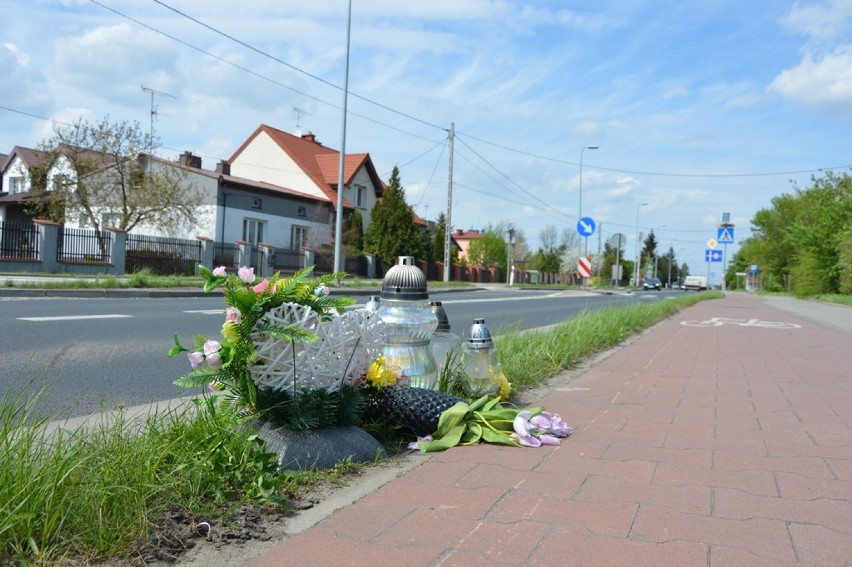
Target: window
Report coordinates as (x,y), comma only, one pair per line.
(298,236)
(358,195)
(253,231)
(111,219)
(16,185)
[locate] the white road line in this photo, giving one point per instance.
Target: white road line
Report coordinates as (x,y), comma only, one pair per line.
(207,311)
(74,317)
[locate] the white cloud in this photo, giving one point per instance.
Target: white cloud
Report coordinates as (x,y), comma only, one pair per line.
(823,84)
(819,21)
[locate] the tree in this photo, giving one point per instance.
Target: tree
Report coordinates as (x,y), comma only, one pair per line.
(392,231)
(438,242)
(548,237)
(353,234)
(97,171)
(489,249)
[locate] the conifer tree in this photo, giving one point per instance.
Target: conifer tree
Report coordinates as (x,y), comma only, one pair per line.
(392,231)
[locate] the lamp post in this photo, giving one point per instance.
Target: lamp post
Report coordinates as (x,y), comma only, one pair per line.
(580,211)
(638,238)
(510,230)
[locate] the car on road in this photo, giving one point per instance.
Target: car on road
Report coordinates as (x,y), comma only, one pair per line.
(652,283)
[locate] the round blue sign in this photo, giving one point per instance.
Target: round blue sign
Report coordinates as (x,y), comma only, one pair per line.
(586,226)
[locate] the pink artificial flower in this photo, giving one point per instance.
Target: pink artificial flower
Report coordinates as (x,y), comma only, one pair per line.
(233,315)
(523,430)
(322,291)
(214,360)
(220,271)
(195,359)
(259,288)
(211,347)
(246,274)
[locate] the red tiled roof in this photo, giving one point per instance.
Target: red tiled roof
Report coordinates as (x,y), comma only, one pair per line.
(320,164)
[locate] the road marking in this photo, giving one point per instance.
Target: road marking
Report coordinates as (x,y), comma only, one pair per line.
(74,317)
(207,311)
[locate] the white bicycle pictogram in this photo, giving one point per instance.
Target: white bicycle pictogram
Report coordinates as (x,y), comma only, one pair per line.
(719,321)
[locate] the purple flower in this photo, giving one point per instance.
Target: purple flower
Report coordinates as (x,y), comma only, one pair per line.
(523,430)
(195,359)
(547,439)
(233,315)
(322,291)
(246,274)
(551,423)
(211,347)
(214,360)
(220,271)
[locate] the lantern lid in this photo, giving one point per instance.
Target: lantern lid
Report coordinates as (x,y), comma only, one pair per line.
(441,314)
(404,281)
(480,336)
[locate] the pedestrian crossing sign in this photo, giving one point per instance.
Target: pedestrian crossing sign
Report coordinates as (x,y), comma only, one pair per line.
(725,235)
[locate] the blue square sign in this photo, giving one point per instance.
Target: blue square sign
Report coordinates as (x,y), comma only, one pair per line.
(725,235)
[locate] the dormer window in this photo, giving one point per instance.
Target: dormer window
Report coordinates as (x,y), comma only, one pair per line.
(16,185)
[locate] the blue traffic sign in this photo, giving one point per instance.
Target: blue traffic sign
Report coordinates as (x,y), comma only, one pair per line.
(712,255)
(725,235)
(586,226)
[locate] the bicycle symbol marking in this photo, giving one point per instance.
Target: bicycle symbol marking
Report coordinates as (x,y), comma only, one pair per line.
(719,321)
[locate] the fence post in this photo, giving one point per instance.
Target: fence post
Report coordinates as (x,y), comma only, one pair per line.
(206,252)
(371,266)
(267,259)
(118,254)
(310,256)
(244,257)
(48,246)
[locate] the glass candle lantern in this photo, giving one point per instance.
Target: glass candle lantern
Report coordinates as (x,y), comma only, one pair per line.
(409,324)
(445,343)
(479,359)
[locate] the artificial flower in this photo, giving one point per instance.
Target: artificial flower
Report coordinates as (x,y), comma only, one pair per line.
(261,287)
(230,332)
(211,347)
(523,430)
(380,374)
(551,423)
(220,271)
(322,290)
(233,315)
(246,274)
(195,359)
(505,388)
(214,360)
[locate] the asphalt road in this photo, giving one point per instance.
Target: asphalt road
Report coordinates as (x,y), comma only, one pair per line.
(94,354)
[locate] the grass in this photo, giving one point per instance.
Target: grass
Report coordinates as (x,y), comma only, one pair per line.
(840,299)
(98,492)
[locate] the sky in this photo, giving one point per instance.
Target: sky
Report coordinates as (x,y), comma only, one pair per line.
(697,107)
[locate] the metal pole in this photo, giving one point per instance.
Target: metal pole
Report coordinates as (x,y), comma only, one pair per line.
(449,228)
(338,224)
(638,238)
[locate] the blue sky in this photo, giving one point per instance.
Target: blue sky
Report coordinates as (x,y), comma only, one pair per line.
(699,107)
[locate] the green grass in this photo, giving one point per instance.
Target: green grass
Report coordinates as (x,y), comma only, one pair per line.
(840,299)
(98,492)
(141,279)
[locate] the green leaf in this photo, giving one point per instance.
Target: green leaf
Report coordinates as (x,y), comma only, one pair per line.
(451,439)
(451,418)
(490,436)
(198,377)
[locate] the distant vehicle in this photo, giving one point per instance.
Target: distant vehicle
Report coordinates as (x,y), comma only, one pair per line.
(652,283)
(696,283)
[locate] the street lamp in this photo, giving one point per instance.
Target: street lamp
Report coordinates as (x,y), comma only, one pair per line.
(580,212)
(638,238)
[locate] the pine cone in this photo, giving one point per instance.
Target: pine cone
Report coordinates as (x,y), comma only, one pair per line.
(415,409)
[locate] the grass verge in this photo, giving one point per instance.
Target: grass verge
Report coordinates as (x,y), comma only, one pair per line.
(98,492)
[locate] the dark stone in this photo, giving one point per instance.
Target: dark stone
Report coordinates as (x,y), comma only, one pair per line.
(316,449)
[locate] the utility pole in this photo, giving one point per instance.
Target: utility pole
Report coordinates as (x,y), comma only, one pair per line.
(449,228)
(338,221)
(153,114)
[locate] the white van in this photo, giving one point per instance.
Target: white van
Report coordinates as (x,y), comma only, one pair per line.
(697,283)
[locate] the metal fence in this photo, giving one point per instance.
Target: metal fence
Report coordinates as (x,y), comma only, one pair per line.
(83,246)
(18,241)
(162,256)
(225,254)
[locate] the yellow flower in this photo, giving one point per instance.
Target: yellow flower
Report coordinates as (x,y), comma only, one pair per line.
(380,374)
(230,332)
(505,387)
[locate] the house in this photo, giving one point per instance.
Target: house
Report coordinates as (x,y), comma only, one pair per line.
(15,186)
(303,164)
(463,238)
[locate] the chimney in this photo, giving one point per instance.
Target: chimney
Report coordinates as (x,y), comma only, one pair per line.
(310,137)
(223,167)
(189,160)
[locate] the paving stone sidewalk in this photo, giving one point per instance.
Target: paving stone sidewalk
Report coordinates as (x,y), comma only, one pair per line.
(721,437)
